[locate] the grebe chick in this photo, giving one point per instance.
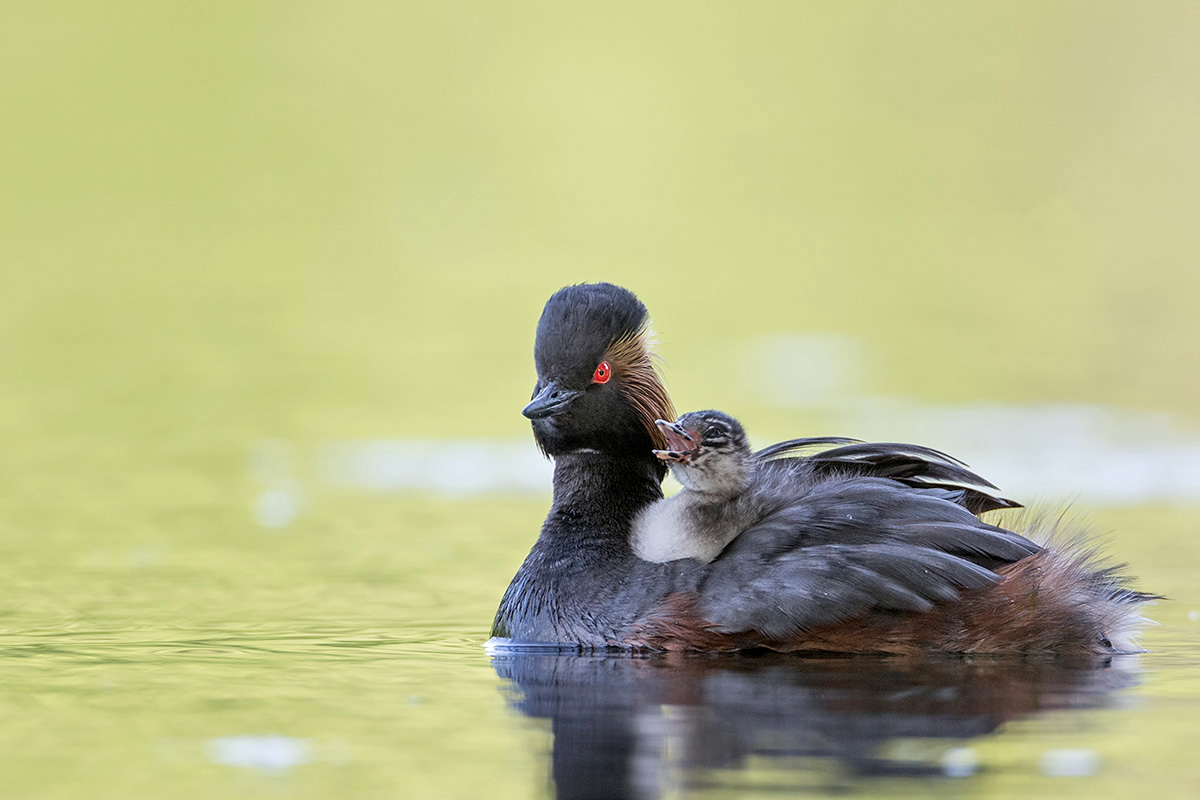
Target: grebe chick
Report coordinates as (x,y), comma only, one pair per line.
(708,453)
(728,489)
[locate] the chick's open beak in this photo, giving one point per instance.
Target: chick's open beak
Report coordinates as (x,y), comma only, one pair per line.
(680,443)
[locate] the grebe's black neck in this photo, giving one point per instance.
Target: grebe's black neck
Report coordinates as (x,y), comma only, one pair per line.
(581,581)
(597,495)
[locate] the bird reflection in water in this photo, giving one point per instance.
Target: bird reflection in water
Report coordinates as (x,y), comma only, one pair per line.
(644,727)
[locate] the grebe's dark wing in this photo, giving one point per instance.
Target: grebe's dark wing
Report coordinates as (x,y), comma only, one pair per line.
(847,547)
(797,447)
(911,464)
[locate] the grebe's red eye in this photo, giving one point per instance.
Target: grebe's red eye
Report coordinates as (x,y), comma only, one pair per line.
(602,373)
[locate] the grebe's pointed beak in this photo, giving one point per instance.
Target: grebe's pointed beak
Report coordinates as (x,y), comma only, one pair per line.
(551,400)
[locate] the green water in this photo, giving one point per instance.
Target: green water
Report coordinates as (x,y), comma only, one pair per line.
(295,223)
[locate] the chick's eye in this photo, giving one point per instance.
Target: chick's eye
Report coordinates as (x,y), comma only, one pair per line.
(602,374)
(713,433)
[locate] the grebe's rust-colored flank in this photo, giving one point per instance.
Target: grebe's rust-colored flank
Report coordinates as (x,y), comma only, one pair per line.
(867,548)
(1041,606)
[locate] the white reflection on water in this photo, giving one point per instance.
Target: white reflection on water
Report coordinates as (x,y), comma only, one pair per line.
(960,762)
(276,508)
(1097,456)
(1070,763)
(261,752)
(275,752)
(466,466)
(1101,456)
(280,501)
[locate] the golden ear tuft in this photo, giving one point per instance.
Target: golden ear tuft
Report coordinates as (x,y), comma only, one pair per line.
(632,359)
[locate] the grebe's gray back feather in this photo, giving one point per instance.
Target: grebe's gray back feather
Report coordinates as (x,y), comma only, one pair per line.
(913,465)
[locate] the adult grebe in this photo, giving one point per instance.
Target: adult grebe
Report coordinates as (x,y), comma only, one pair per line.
(875,551)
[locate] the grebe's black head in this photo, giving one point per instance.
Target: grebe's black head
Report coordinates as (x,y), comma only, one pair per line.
(597,388)
(708,452)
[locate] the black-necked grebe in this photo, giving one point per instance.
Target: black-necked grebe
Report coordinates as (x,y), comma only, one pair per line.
(875,551)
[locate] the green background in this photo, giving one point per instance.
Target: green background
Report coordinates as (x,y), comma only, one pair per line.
(228,223)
